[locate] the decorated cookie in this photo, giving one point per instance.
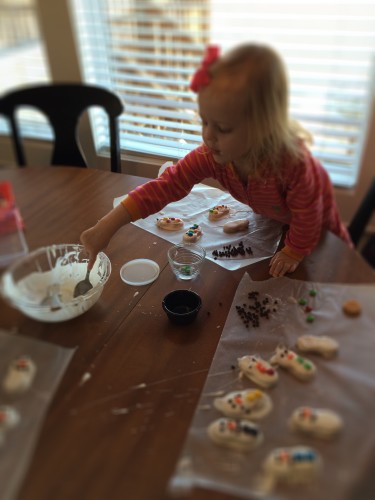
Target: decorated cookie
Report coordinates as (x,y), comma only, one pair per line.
(240,435)
(170,223)
(323,345)
(317,422)
(193,234)
(9,418)
(218,212)
(251,404)
(297,464)
(20,375)
(258,370)
(352,308)
(236,226)
(300,367)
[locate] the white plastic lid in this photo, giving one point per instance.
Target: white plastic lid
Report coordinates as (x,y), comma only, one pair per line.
(139,272)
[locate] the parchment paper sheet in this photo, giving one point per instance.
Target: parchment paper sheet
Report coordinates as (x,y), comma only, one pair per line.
(263,234)
(345,384)
(17,449)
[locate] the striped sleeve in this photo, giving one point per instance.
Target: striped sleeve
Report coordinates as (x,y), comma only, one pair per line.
(173,184)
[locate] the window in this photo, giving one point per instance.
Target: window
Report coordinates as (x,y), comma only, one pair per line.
(22,59)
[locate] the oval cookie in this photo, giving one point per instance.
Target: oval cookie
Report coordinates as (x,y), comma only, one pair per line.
(236,226)
(170,223)
(250,404)
(240,435)
(317,422)
(258,370)
(193,234)
(218,212)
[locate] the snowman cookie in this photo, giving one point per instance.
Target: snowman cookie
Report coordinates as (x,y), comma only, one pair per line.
(316,422)
(193,234)
(300,367)
(170,223)
(258,370)
(20,375)
(9,418)
(218,212)
(250,404)
(296,464)
(323,345)
(240,435)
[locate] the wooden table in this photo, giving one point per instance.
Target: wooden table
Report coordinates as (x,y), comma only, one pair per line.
(119,435)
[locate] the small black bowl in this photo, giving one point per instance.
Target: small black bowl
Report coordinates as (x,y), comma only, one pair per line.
(182,306)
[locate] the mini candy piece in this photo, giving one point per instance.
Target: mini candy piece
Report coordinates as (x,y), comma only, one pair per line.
(236,226)
(300,367)
(352,308)
(20,375)
(193,234)
(240,435)
(218,212)
(293,465)
(170,223)
(258,370)
(250,404)
(313,293)
(323,345)
(316,422)
(9,418)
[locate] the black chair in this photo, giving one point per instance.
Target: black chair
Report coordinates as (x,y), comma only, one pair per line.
(63,105)
(359,222)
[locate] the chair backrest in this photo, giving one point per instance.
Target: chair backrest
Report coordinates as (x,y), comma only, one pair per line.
(63,105)
(363,214)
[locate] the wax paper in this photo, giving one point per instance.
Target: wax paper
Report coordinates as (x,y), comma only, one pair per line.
(345,384)
(262,236)
(18,445)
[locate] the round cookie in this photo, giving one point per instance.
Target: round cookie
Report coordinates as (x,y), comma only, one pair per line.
(316,422)
(250,404)
(352,308)
(240,435)
(170,223)
(258,370)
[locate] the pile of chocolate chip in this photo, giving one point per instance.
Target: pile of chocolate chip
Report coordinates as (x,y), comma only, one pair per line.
(229,251)
(257,309)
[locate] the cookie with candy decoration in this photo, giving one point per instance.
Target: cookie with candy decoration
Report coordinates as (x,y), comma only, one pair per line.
(218,212)
(316,422)
(170,223)
(249,404)
(240,435)
(258,370)
(20,375)
(193,234)
(301,368)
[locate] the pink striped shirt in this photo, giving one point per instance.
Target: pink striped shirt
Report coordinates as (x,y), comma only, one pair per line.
(303,198)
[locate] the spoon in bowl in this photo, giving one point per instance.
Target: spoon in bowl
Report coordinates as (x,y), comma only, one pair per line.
(83,286)
(52,299)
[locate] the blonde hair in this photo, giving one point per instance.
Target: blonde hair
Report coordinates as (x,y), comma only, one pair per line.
(260,71)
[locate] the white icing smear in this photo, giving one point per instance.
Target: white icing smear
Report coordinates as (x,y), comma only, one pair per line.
(59,265)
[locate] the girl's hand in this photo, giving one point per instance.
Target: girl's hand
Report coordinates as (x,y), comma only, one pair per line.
(281,264)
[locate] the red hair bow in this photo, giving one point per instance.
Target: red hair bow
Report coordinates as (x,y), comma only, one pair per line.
(201,77)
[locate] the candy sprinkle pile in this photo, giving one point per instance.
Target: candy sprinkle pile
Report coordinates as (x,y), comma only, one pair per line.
(257,309)
(229,251)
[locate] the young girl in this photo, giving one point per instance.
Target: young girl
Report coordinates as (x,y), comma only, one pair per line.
(252,148)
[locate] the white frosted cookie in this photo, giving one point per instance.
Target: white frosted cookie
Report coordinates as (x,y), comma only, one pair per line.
(20,375)
(297,464)
(236,226)
(170,223)
(9,418)
(323,345)
(218,212)
(317,422)
(300,367)
(193,234)
(240,435)
(251,404)
(258,370)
